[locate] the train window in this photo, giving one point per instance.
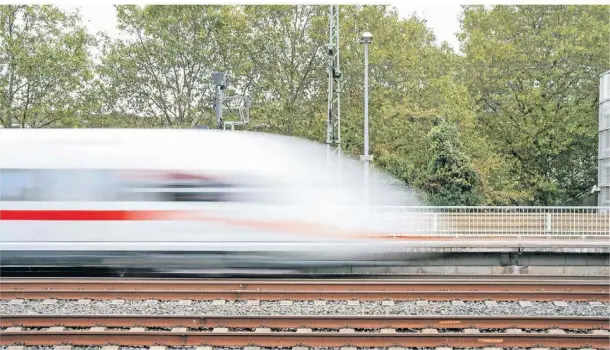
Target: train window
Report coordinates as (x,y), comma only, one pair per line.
(15,185)
(188,191)
(195,188)
(78,185)
(59,185)
(56,185)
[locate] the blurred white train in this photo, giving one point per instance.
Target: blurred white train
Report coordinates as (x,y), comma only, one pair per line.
(184,199)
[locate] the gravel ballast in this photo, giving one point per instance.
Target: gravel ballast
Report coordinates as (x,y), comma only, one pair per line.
(237,308)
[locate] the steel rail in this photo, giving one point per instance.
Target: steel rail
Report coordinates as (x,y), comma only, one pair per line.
(285,339)
(326,321)
(421,284)
(438,290)
(311,284)
(275,295)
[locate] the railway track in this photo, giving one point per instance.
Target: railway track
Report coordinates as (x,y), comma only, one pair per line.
(499,289)
(286,331)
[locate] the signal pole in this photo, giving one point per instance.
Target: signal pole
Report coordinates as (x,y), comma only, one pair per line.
(333,123)
(220,82)
(366,39)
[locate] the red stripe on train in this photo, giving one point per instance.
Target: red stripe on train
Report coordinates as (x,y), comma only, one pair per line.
(82,215)
(299,228)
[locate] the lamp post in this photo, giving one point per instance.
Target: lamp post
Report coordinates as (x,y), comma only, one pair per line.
(366,39)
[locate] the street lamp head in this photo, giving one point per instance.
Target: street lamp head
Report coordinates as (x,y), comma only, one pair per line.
(366,38)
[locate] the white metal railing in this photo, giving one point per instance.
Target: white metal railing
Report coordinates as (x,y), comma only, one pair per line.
(496,221)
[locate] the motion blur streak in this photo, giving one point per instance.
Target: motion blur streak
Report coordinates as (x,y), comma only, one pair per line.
(160,215)
(112,196)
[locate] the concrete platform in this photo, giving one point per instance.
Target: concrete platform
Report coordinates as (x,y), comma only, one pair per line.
(481,255)
(497,256)
(502,244)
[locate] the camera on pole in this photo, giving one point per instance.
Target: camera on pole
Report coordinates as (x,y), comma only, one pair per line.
(220,81)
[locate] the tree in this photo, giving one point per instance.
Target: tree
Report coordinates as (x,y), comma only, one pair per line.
(519,105)
(450,177)
(533,73)
(44,66)
(411,81)
(163,68)
(288,52)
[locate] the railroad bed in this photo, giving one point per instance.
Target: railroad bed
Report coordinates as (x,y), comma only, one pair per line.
(415,312)
(318,331)
(499,289)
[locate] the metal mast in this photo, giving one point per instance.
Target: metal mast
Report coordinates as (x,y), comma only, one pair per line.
(603,162)
(333,124)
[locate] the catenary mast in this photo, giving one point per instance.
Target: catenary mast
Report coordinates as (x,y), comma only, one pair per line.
(333,124)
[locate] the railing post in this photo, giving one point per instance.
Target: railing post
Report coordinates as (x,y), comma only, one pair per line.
(435,222)
(547,224)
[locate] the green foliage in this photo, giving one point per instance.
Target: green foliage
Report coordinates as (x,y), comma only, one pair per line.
(519,102)
(411,80)
(533,72)
(450,177)
(288,73)
(44,66)
(163,67)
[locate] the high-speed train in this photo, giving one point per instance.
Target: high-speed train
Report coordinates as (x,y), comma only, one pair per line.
(185,199)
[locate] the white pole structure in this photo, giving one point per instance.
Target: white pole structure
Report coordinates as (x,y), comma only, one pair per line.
(603,162)
(366,39)
(333,123)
